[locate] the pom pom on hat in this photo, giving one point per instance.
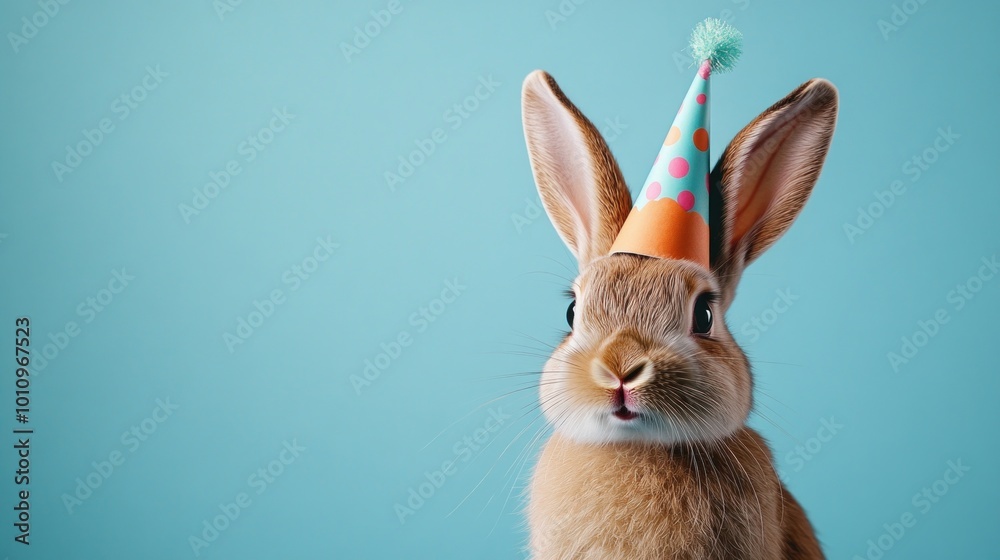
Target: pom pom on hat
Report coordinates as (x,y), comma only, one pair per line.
(717,42)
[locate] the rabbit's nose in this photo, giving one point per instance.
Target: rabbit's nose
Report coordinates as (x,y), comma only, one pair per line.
(628,375)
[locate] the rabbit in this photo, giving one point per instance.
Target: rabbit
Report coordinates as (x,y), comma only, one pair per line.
(648,395)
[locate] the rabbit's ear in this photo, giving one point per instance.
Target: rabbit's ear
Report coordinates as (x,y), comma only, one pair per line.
(765,175)
(580,184)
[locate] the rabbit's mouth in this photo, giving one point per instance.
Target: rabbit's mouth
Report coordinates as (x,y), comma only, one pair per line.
(621,398)
(623,413)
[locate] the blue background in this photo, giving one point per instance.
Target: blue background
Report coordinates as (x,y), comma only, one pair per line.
(461,215)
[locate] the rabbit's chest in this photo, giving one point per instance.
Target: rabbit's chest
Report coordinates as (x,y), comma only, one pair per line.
(591,502)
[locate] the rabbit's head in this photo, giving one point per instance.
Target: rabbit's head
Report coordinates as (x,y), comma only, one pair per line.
(649,357)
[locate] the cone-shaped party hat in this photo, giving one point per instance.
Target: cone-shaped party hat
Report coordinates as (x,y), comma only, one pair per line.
(670,217)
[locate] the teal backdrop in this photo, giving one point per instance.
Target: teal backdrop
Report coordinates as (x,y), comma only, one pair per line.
(280,261)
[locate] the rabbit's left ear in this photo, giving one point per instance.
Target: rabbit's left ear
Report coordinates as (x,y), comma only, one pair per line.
(765,175)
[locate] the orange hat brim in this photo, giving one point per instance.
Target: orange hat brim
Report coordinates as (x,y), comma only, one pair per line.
(663,229)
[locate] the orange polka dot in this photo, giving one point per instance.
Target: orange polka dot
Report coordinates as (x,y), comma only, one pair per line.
(673,136)
(701,139)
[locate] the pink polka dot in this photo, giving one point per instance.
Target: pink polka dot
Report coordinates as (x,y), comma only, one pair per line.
(686,200)
(678,167)
(657,160)
(705,70)
(653,191)
(701,98)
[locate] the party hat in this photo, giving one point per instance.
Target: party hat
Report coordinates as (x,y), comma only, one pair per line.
(670,219)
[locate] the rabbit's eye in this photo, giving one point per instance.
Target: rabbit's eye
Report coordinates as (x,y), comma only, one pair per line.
(570,313)
(702,322)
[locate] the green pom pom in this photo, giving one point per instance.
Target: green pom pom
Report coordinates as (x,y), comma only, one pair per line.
(718,42)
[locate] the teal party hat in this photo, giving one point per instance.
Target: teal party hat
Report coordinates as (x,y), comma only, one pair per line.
(670,219)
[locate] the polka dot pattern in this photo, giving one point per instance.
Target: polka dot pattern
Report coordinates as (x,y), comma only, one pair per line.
(673,136)
(700,138)
(679,167)
(686,200)
(671,215)
(682,161)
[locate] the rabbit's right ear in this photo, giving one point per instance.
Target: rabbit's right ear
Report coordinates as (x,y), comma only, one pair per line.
(765,176)
(580,184)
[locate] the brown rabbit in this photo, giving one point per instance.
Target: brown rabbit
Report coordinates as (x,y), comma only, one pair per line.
(649,396)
